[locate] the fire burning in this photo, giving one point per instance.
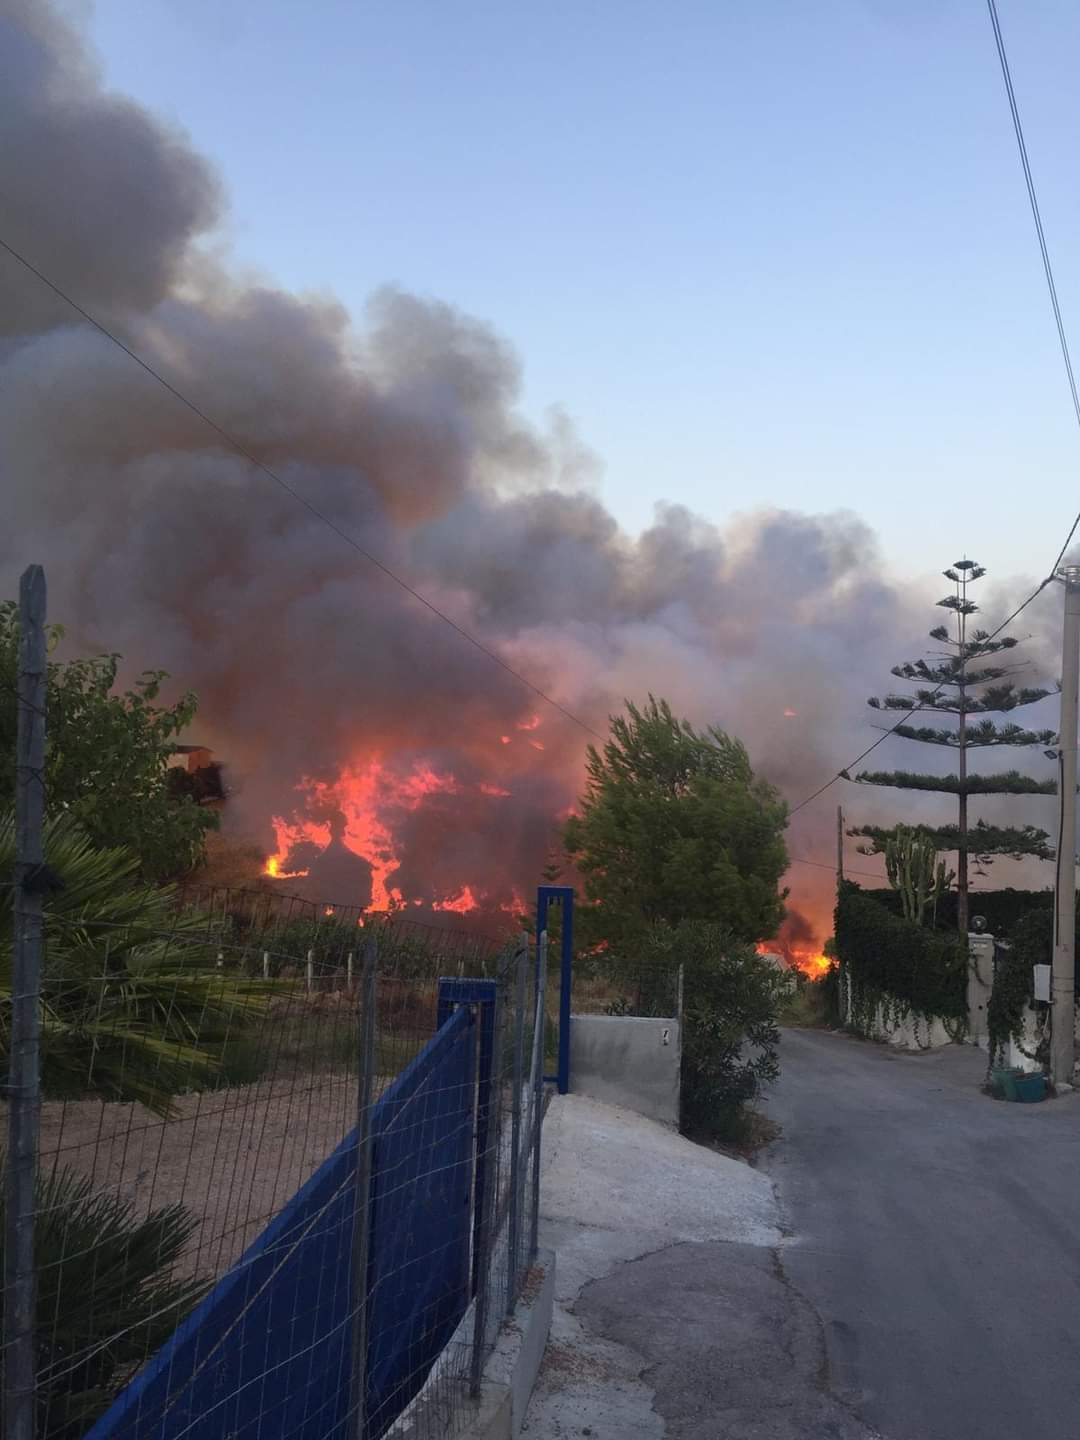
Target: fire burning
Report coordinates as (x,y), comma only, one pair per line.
(428,781)
(798,944)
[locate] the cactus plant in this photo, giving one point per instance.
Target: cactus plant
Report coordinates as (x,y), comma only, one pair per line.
(915,871)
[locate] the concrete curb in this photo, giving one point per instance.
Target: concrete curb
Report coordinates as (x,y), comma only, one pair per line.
(509,1375)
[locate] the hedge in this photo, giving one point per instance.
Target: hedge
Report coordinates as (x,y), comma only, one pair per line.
(1002,909)
(887,956)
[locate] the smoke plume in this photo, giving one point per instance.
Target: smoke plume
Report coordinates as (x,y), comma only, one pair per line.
(401,757)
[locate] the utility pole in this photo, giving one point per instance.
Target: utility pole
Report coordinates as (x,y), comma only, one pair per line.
(23,1080)
(839,847)
(1063,985)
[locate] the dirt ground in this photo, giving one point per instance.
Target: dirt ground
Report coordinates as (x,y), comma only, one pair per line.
(232,1157)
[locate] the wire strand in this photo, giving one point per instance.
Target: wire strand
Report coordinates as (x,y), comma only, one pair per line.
(915,709)
(1063,341)
(1048,268)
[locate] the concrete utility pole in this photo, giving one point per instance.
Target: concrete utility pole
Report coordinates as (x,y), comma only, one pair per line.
(1062,1039)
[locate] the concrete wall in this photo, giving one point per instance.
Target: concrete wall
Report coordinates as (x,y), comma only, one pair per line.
(906,1032)
(629,1061)
(913,1032)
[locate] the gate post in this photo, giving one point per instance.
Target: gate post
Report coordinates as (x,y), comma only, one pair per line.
(560,895)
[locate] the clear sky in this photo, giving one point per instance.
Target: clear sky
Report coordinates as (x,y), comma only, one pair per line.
(775,252)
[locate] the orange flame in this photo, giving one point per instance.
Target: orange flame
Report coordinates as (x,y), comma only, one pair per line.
(810,962)
(461,903)
(359,795)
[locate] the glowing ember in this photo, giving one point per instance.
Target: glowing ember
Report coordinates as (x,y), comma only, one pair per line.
(531,722)
(537,744)
(790,714)
(495,790)
(505,739)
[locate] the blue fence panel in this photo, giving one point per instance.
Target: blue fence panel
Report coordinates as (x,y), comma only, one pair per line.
(266,1355)
(422,1168)
(267,1352)
(479,995)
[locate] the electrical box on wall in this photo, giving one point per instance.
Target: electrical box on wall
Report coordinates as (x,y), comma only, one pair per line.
(1042,983)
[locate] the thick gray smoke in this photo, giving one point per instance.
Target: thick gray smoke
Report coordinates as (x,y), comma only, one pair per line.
(163,544)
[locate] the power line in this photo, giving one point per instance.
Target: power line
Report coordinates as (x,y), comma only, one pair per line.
(1041,234)
(265,469)
(915,709)
(824,865)
(1070,375)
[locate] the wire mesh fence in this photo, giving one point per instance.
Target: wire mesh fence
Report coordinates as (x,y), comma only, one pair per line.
(283,1162)
(610,982)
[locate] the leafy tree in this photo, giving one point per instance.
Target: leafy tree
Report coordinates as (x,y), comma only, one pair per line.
(106,1296)
(133,1006)
(961,681)
(107,755)
(674,826)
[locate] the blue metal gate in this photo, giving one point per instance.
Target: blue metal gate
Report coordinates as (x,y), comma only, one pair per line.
(268,1352)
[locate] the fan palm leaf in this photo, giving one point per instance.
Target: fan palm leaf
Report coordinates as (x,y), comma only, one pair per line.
(134,1005)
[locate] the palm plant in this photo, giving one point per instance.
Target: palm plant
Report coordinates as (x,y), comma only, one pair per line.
(106,1295)
(133,1003)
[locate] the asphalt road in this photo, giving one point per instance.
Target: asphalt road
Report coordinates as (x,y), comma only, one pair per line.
(936,1234)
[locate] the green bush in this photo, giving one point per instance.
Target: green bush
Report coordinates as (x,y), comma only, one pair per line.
(1031,943)
(889,958)
(106,1298)
(731,1001)
(1002,909)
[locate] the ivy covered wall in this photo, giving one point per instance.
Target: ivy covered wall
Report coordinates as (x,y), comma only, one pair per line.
(896,968)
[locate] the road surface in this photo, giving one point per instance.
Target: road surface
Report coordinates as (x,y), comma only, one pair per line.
(936,1233)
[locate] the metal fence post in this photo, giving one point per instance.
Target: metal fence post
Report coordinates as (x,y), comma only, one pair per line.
(521,960)
(484,1236)
(362,1212)
(538,1090)
(24,1081)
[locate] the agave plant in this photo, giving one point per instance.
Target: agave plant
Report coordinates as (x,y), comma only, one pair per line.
(133,1003)
(106,1296)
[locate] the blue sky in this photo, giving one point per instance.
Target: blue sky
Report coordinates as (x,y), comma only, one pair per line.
(763,254)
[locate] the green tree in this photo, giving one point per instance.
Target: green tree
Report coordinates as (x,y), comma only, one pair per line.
(961,681)
(674,826)
(107,756)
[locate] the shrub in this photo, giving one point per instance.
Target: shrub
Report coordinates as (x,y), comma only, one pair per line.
(106,1296)
(1002,909)
(731,1001)
(1032,943)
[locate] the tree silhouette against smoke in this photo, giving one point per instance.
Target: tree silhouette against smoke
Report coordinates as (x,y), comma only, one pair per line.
(956,682)
(674,826)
